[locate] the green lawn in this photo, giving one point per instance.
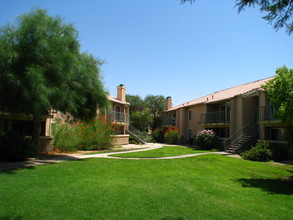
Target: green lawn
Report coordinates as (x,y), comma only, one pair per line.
(202,187)
(113,150)
(166,151)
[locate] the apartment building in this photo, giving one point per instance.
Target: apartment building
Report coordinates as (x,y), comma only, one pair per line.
(231,113)
(23,124)
(119,114)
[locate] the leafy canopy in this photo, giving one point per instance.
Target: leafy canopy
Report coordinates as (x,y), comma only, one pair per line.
(42,67)
(156,105)
(278,12)
(280,92)
(137,103)
(146,112)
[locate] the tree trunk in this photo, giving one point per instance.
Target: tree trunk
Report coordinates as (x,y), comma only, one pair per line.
(36,133)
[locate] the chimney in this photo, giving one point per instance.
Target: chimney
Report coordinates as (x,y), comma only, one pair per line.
(121,93)
(168,102)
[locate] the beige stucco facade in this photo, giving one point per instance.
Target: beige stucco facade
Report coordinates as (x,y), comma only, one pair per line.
(227,112)
(119,114)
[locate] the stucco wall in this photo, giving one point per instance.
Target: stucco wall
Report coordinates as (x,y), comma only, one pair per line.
(236,114)
(250,105)
(195,124)
(46,144)
(121,139)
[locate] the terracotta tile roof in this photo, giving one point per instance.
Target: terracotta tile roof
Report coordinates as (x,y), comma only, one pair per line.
(225,94)
(111,98)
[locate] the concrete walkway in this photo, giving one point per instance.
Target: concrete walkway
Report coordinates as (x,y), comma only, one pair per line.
(148,146)
(50,159)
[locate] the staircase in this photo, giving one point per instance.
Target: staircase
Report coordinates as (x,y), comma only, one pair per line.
(242,139)
(136,134)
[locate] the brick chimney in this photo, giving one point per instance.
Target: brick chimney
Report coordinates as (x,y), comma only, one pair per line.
(168,102)
(121,93)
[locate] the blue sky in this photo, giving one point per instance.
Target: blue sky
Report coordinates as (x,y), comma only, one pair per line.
(161,47)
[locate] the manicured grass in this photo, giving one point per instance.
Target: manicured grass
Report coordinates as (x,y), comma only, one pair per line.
(166,151)
(202,187)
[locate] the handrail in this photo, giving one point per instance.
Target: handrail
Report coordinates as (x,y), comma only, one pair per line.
(119,116)
(214,117)
(267,112)
(136,132)
(237,135)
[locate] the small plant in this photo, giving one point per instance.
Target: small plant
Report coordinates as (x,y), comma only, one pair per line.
(259,152)
(132,142)
(158,135)
(172,136)
(206,139)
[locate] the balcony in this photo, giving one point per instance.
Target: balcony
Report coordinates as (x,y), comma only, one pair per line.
(267,113)
(215,117)
(119,117)
(168,122)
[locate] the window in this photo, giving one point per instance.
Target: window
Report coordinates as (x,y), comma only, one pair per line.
(190,115)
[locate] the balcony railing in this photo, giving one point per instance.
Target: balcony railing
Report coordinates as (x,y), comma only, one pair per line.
(168,121)
(214,117)
(119,117)
(267,113)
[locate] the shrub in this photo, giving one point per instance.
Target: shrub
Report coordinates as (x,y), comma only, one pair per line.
(132,142)
(259,152)
(64,137)
(158,135)
(94,135)
(206,139)
(172,136)
(14,147)
(280,152)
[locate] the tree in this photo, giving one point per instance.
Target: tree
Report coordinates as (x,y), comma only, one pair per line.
(280,92)
(137,103)
(147,112)
(156,105)
(279,12)
(141,119)
(42,68)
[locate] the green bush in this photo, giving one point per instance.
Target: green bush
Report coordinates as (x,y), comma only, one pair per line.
(14,147)
(206,139)
(132,142)
(172,136)
(259,152)
(280,152)
(158,135)
(64,137)
(94,135)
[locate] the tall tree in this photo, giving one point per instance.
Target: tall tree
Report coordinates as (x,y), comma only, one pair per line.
(278,12)
(156,105)
(42,68)
(136,103)
(280,92)
(141,119)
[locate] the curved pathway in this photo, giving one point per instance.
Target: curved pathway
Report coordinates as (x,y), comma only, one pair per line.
(149,146)
(61,158)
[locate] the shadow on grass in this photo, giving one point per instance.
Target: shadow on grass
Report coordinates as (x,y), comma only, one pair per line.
(12,167)
(272,186)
